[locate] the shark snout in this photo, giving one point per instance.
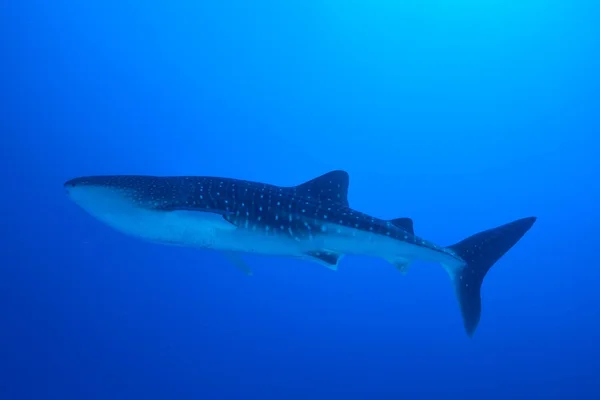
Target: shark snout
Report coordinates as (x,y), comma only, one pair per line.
(75,182)
(86,186)
(72,184)
(85,183)
(68,185)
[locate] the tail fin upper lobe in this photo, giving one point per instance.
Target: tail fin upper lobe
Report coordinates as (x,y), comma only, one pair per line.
(480,252)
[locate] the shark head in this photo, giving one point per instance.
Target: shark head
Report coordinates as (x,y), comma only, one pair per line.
(131,204)
(110,195)
(160,209)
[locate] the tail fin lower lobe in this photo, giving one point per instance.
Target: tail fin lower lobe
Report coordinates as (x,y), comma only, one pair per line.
(480,252)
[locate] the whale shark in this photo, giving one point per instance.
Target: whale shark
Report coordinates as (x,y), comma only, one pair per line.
(310,221)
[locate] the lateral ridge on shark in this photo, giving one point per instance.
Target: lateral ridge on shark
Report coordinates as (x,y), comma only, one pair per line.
(310,221)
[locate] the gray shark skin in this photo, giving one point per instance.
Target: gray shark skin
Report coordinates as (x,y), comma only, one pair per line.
(310,221)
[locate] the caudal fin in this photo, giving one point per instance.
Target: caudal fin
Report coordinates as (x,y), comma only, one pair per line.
(480,252)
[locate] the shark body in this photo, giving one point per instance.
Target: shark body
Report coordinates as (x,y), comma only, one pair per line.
(310,221)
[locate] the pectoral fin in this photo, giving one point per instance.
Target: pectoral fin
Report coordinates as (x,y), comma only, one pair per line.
(326,258)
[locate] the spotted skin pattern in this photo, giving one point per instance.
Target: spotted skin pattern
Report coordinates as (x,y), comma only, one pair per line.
(300,212)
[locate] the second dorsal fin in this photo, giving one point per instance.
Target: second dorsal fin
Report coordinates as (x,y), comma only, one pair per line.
(404,223)
(331,187)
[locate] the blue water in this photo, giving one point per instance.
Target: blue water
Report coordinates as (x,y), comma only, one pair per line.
(462,115)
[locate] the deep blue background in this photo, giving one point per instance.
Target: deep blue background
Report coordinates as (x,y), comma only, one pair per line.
(461,114)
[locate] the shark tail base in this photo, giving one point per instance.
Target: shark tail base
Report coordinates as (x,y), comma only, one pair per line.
(480,252)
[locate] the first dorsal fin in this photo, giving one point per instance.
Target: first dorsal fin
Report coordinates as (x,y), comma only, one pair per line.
(331,187)
(404,223)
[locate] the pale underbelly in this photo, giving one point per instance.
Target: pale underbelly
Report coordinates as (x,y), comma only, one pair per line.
(211,231)
(204,231)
